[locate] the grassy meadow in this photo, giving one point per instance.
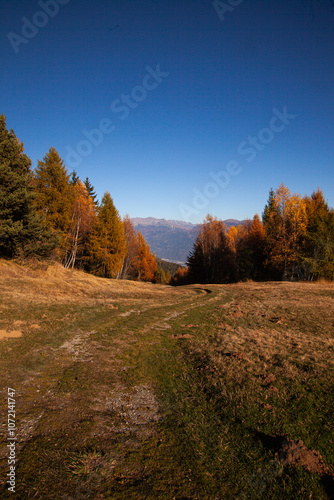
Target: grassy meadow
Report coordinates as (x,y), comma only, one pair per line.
(128,390)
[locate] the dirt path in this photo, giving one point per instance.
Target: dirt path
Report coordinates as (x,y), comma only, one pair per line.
(77,391)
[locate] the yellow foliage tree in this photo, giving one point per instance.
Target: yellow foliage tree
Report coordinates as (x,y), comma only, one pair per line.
(54,196)
(83,215)
(144,261)
(106,244)
(285,225)
(212,259)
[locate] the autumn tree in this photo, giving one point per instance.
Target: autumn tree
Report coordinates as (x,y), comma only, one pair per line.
(162,277)
(139,263)
(132,248)
(231,235)
(54,195)
(318,250)
(297,231)
(181,277)
(256,242)
(269,220)
(285,222)
(106,244)
(83,215)
(250,250)
(144,262)
(22,229)
(212,259)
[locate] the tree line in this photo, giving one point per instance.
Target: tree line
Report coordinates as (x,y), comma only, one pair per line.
(293,241)
(50,213)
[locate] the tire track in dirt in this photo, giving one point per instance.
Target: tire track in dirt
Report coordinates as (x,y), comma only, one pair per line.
(123,412)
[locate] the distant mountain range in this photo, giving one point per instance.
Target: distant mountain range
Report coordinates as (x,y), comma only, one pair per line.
(171,240)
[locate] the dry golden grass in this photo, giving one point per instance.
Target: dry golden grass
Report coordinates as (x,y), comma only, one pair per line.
(53,283)
(134,390)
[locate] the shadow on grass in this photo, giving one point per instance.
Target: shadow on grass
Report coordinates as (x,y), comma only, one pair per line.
(327,482)
(271,443)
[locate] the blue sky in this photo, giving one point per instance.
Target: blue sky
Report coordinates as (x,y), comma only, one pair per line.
(224,77)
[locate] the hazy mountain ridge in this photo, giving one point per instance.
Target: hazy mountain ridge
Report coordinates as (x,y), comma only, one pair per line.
(151,221)
(171,239)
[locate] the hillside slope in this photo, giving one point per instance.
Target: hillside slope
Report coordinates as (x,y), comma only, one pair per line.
(170,239)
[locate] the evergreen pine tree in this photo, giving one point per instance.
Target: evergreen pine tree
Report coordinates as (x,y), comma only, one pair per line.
(22,230)
(74,178)
(91,191)
(269,209)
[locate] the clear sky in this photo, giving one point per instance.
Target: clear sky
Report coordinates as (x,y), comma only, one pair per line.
(179,90)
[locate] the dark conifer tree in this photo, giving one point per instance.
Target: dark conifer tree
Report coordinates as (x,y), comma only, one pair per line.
(74,178)
(91,191)
(22,230)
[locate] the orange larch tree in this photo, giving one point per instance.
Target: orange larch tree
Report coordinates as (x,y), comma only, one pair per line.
(132,247)
(144,261)
(106,245)
(83,216)
(285,223)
